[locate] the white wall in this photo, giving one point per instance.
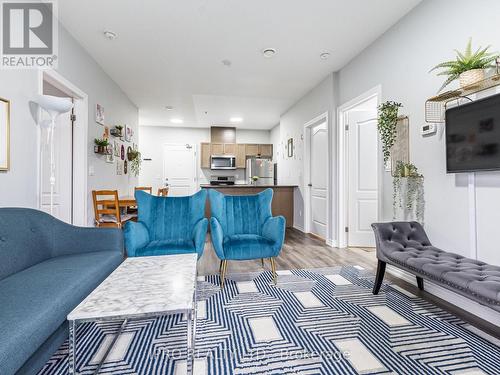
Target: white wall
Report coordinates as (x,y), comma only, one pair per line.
(18,186)
(400,61)
(275,136)
(319,100)
(153,137)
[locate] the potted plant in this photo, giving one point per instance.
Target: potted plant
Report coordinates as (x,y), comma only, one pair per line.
(387,121)
(101,145)
(408,187)
(468,67)
(255,179)
(134,156)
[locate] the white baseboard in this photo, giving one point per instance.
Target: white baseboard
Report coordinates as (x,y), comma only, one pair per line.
(331,242)
(458,300)
(299,228)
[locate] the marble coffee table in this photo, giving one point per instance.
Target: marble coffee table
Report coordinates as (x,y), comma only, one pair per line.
(140,288)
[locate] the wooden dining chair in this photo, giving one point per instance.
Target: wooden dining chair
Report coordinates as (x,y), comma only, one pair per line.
(163,192)
(107,209)
(147,189)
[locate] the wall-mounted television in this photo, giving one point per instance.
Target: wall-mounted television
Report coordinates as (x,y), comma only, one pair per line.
(473,136)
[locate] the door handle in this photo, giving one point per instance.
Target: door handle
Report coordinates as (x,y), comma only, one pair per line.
(310,185)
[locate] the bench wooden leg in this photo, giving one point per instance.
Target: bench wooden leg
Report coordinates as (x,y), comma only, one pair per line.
(420,283)
(380,277)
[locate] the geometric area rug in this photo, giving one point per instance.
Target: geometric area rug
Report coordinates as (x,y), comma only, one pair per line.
(314,321)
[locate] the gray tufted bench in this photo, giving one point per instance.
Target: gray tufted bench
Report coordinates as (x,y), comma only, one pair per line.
(405,245)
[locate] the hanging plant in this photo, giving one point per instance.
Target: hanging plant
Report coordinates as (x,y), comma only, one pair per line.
(387,121)
(135,159)
(414,202)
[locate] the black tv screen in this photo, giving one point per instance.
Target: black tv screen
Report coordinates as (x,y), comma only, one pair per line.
(473,136)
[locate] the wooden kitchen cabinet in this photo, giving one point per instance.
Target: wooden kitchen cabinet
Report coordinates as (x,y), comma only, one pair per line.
(241,156)
(252,150)
(205,153)
(266,150)
(217,149)
(240,150)
(229,148)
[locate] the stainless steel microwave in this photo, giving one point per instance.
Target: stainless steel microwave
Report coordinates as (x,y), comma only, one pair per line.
(222,162)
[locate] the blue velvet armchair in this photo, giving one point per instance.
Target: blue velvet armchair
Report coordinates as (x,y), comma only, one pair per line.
(167,225)
(242,228)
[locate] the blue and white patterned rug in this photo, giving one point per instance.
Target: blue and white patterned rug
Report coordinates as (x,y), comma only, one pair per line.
(318,321)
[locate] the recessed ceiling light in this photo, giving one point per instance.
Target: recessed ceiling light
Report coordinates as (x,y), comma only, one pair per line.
(169,107)
(111,35)
(324,55)
(269,52)
(236,119)
(176,121)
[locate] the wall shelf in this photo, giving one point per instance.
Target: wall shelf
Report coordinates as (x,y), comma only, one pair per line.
(435,107)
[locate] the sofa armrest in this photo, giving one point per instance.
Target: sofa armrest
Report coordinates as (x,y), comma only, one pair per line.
(274,230)
(69,239)
(199,235)
(136,237)
(217,237)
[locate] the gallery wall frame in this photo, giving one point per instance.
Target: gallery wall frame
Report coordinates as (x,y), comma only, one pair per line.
(4,134)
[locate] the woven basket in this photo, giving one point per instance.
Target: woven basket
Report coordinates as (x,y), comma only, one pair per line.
(471,77)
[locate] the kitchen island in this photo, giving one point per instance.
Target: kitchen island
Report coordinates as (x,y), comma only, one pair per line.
(282,197)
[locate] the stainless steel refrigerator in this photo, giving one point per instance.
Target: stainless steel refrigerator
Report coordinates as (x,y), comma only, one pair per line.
(262,168)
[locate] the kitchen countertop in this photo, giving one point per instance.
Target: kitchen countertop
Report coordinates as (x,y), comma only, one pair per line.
(245,186)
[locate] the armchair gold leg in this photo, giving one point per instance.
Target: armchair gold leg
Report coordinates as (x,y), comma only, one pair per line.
(273,268)
(223,273)
(220,266)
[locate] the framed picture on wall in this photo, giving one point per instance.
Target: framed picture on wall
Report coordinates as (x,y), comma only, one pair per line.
(4,134)
(99,114)
(128,133)
(119,167)
(110,157)
(117,148)
(289,146)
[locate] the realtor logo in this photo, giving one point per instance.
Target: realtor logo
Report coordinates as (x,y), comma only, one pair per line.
(29,34)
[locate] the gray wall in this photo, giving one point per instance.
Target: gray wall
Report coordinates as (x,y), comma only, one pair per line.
(400,61)
(319,100)
(18,186)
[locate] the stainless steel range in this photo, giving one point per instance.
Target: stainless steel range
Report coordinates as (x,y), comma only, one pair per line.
(222,180)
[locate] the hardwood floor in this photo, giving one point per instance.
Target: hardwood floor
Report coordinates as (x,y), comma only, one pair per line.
(305,251)
(299,251)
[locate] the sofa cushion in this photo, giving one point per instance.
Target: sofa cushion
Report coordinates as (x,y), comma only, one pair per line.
(167,247)
(19,230)
(36,301)
(247,246)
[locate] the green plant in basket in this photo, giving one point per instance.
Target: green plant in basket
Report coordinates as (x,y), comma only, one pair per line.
(468,66)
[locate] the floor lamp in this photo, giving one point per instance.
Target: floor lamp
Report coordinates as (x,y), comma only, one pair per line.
(54,106)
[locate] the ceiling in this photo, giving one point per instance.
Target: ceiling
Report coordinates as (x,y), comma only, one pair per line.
(170,53)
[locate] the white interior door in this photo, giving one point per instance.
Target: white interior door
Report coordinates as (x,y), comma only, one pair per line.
(179,169)
(363,177)
(319,175)
(63,156)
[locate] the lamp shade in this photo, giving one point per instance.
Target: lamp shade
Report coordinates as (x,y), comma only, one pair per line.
(54,105)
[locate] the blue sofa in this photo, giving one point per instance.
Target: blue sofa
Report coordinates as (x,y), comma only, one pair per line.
(167,225)
(243,228)
(47,268)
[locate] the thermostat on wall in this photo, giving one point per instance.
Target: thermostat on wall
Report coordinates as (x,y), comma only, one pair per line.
(428,129)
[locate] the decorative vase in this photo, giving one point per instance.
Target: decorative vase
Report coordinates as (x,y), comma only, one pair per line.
(471,77)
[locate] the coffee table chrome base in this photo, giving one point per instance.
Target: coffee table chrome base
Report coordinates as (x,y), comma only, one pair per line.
(191,337)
